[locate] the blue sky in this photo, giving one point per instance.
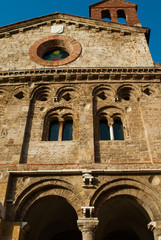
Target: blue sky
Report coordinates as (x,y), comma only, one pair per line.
(148,12)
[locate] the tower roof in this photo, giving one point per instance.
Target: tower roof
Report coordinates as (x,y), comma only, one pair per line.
(114,9)
(114,3)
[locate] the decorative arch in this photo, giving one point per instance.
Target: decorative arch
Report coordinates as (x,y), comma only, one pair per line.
(40,93)
(104,90)
(47,187)
(67,93)
(144,195)
(127,92)
(55,120)
(51,217)
(110,123)
(111,111)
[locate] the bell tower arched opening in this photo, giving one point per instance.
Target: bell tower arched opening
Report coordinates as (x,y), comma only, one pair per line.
(123,218)
(51,218)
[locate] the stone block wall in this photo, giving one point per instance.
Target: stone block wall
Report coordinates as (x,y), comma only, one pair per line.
(23,124)
(99,49)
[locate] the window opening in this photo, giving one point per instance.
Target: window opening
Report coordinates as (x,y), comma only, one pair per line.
(55,54)
(106,15)
(104,130)
(121,16)
(67,130)
(54,131)
(19,95)
(118,130)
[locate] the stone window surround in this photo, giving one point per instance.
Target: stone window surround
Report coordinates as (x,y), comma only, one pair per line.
(41,46)
(110,121)
(61,120)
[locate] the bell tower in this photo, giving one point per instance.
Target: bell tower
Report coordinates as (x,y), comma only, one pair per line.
(114,10)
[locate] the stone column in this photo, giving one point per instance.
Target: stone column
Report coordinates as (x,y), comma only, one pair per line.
(87,226)
(24,229)
(1,223)
(156,228)
(60,131)
(16,230)
(111,132)
(2,217)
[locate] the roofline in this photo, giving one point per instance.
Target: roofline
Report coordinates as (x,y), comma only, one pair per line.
(95,4)
(13,28)
(37,20)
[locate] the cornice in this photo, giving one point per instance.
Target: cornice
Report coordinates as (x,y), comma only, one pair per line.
(82,23)
(82,171)
(82,74)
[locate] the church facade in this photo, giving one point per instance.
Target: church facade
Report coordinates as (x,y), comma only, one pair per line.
(80,127)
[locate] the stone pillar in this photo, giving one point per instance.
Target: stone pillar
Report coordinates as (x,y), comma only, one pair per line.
(1,224)
(2,217)
(24,229)
(87,226)
(156,228)
(16,230)
(60,131)
(111,132)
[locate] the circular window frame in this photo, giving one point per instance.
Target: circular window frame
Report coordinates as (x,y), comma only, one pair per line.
(38,49)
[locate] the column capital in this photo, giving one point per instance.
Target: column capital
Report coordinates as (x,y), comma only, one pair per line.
(155,226)
(87,224)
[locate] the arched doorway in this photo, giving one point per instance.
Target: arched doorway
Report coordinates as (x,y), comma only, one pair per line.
(52,218)
(123,218)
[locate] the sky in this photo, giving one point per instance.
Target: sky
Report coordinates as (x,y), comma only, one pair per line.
(18,10)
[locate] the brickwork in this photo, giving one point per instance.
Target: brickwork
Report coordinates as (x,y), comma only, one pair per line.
(113,6)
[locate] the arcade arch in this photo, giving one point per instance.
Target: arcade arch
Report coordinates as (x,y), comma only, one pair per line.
(123,218)
(51,217)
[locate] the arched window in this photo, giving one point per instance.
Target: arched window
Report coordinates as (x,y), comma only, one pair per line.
(67,130)
(118,130)
(121,16)
(61,131)
(111,132)
(104,130)
(54,130)
(106,15)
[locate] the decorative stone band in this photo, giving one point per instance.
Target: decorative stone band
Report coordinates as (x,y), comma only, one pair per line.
(81,74)
(38,49)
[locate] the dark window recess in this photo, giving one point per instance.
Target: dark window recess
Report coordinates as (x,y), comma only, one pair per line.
(106,15)
(118,130)
(54,131)
(19,95)
(104,130)
(121,16)
(67,130)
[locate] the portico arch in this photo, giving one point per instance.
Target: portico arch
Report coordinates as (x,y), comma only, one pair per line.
(124,208)
(123,218)
(51,217)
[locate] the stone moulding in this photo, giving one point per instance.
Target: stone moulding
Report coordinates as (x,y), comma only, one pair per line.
(83,23)
(81,74)
(81,171)
(57,41)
